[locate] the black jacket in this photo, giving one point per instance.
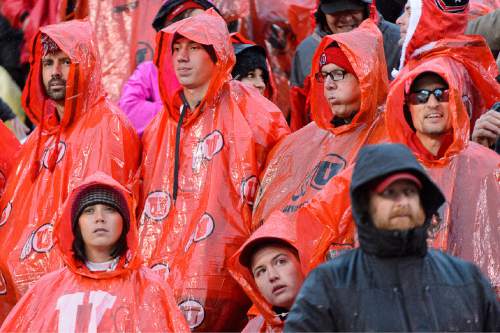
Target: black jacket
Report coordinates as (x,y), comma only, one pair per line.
(392,282)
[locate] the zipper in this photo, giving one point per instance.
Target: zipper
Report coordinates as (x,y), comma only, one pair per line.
(183,110)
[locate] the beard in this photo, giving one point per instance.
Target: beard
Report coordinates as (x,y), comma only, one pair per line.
(56,94)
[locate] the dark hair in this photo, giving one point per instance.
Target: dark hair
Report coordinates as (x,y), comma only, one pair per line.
(48,45)
(209,48)
(78,245)
(320,17)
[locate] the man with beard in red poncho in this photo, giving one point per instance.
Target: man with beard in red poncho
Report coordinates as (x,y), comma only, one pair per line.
(202,158)
(78,133)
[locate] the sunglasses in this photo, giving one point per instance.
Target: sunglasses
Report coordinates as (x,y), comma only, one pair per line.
(422,96)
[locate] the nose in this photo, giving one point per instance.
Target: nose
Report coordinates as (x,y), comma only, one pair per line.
(259,83)
(329,83)
(182,55)
(99,215)
(432,102)
(56,70)
(272,274)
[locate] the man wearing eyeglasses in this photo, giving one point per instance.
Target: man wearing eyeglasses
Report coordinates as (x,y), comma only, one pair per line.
(427,109)
(347,95)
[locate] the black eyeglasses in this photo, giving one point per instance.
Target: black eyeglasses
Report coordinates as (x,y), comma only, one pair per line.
(335,75)
(422,96)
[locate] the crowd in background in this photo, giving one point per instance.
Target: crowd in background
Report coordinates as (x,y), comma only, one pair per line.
(297,165)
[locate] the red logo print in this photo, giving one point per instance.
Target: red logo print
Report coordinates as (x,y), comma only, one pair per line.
(162,269)
(193,312)
(48,151)
(6,213)
(39,241)
(3,285)
(157,205)
(207,148)
(204,229)
(249,188)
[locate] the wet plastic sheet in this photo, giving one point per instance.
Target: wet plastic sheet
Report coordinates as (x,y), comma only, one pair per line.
(92,136)
(130,298)
(222,148)
(112,22)
(305,161)
(9,146)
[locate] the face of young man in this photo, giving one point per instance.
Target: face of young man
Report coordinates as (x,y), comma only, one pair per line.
(55,70)
(255,79)
(431,118)
(101,227)
(192,64)
(344,21)
(278,275)
(398,207)
(344,95)
(403,21)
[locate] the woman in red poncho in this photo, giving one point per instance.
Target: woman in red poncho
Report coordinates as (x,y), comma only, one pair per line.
(103,287)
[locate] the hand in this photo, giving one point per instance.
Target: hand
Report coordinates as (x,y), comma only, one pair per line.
(20,129)
(487,128)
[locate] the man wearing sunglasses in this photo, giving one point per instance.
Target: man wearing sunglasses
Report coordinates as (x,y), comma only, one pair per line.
(427,112)
(428,108)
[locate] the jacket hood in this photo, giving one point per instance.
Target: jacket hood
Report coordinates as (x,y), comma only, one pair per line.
(276,227)
(240,44)
(208,28)
(466,65)
(376,162)
(363,48)
(83,86)
(422,29)
(63,234)
(169,6)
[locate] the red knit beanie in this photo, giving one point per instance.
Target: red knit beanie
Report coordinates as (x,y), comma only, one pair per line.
(334,55)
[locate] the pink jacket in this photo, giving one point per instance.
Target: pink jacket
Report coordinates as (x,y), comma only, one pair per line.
(140,98)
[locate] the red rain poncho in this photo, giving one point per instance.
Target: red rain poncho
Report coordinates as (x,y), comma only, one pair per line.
(9,147)
(92,136)
(303,163)
(468,173)
(130,298)
(222,146)
(303,237)
(423,26)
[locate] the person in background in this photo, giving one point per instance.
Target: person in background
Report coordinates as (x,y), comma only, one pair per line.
(336,16)
(393,282)
(271,267)
(97,238)
(140,98)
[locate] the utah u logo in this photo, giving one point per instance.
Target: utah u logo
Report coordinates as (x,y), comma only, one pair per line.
(452,6)
(193,312)
(6,213)
(74,311)
(39,241)
(48,152)
(207,148)
(249,188)
(204,228)
(157,205)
